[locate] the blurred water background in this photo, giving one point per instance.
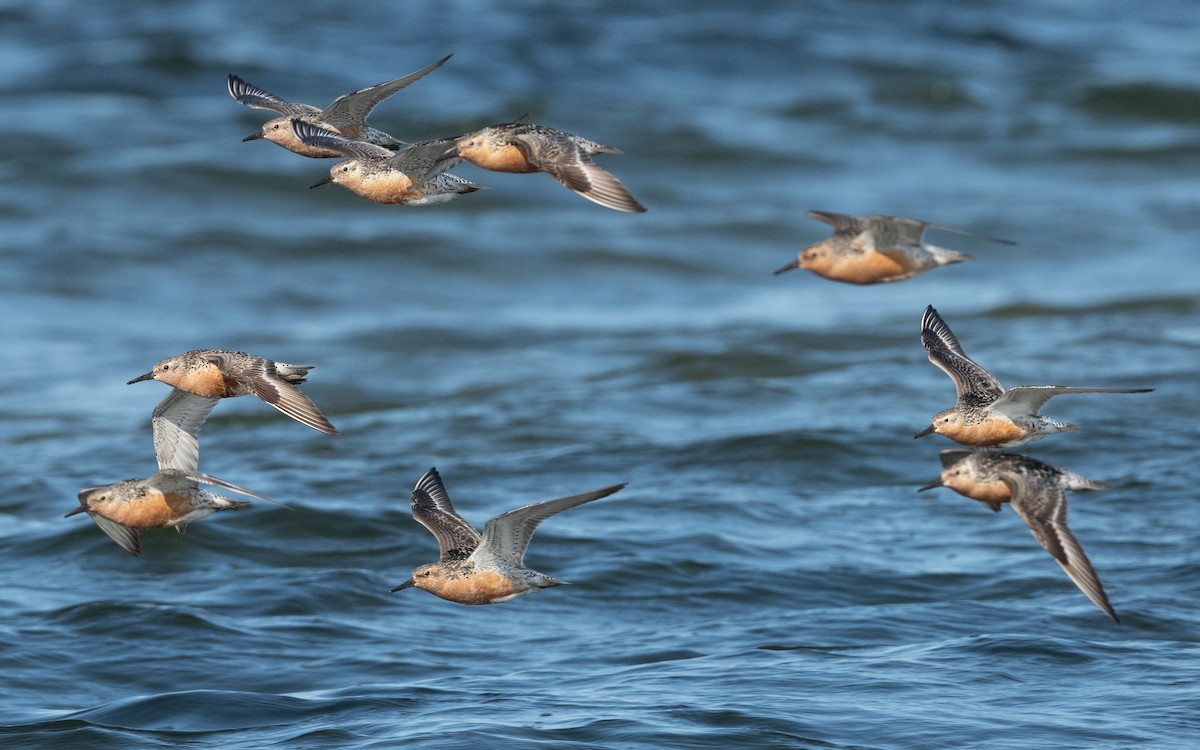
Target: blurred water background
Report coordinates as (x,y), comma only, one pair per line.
(770,578)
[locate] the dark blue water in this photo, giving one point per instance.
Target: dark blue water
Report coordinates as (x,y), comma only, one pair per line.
(770,578)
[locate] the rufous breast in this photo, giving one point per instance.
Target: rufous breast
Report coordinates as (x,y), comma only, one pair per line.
(480,587)
(989,433)
(506,158)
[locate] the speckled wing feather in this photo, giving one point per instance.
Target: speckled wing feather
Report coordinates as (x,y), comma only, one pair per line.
(353,108)
(176,423)
(1043,507)
(565,160)
(431,507)
(506,536)
(258,98)
(943,349)
(1023,400)
(265,383)
(319,137)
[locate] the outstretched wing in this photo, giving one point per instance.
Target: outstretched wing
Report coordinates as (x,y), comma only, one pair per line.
(178,480)
(841,223)
(431,507)
(253,96)
(895,232)
(506,536)
(1023,400)
(422,160)
(943,349)
(264,382)
(354,107)
(176,422)
(319,137)
(1043,507)
(956,230)
(128,538)
(566,161)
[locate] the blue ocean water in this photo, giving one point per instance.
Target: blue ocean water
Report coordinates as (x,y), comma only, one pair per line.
(770,577)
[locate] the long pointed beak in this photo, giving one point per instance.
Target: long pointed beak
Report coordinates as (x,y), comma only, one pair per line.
(935,483)
(323,181)
(927,431)
(80,509)
(140,378)
(253,137)
(406,585)
(794,264)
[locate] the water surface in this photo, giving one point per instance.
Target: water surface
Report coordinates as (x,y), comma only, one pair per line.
(770,578)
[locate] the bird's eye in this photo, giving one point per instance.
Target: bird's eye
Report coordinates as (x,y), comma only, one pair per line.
(345,169)
(166,367)
(276,127)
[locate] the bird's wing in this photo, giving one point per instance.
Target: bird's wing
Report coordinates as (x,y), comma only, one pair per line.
(354,107)
(506,536)
(268,385)
(253,96)
(431,507)
(894,232)
(944,351)
(841,223)
(176,422)
(315,135)
(951,456)
(956,230)
(128,538)
(566,161)
(1023,400)
(423,159)
(177,480)
(1043,508)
